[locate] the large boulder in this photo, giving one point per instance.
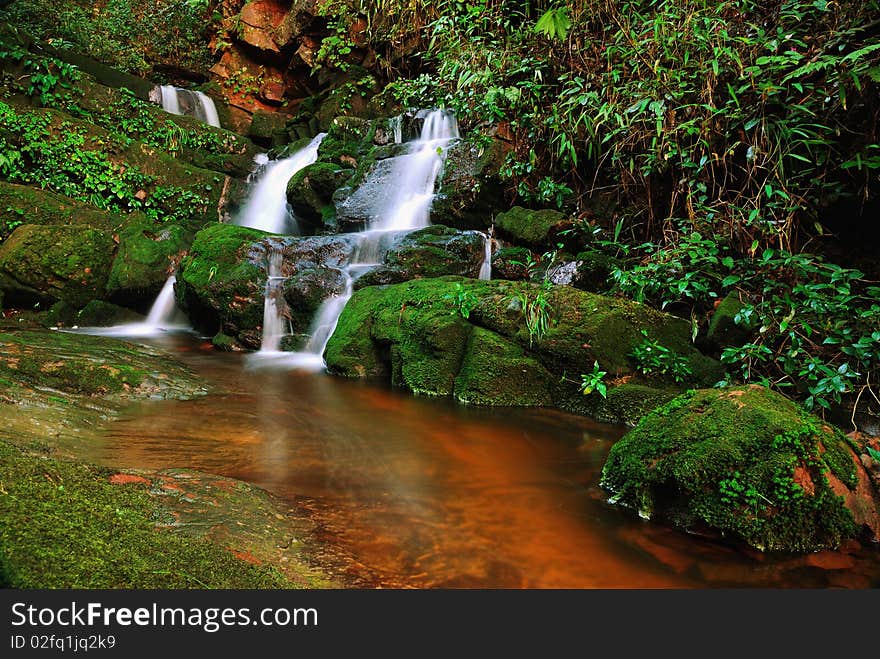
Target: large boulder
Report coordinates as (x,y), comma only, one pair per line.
(21,204)
(444,336)
(747,464)
(221,282)
(310,195)
(539,230)
(431,252)
(51,263)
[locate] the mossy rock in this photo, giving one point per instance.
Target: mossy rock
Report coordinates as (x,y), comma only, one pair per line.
(594,270)
(469,191)
(511,263)
(745,463)
(385,330)
(70,525)
(310,195)
(92,365)
(623,403)
(147,254)
(434,251)
(269,128)
(539,230)
(723,330)
(221,281)
(20,204)
(498,372)
(49,263)
(98,313)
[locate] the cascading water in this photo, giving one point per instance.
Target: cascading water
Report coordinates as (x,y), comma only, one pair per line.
(486,265)
(185,102)
(164,316)
(274,322)
(414,175)
(266,207)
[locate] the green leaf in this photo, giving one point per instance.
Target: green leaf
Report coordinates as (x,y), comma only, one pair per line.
(554,24)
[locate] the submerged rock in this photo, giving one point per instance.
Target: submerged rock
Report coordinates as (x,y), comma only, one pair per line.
(748,464)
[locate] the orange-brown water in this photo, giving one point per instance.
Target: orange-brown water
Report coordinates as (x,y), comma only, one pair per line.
(425,493)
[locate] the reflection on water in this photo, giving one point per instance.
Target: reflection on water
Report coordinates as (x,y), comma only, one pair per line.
(426,493)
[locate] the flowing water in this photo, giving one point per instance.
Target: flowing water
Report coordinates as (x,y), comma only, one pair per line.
(486,265)
(266,207)
(164,316)
(185,102)
(414,492)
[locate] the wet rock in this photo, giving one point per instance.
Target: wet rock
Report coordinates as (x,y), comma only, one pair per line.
(50,263)
(98,313)
(431,252)
(748,464)
(310,195)
(469,190)
(305,290)
(268,128)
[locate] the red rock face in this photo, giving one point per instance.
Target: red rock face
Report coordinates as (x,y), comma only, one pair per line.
(259,21)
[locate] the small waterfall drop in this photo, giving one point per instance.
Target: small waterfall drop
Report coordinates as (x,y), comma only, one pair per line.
(164,316)
(416,174)
(274,321)
(185,102)
(266,207)
(486,265)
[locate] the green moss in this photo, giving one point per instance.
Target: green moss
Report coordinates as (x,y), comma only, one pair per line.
(625,403)
(497,372)
(723,330)
(56,263)
(218,285)
(89,365)
(745,462)
(64,525)
(310,193)
(388,330)
(98,313)
(146,254)
(20,204)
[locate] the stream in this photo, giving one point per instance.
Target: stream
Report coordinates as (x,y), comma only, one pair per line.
(415,492)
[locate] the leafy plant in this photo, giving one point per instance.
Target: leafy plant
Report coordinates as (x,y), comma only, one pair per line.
(652,358)
(463,300)
(594,382)
(535,306)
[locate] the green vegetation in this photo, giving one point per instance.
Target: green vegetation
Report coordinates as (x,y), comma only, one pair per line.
(135,36)
(65,525)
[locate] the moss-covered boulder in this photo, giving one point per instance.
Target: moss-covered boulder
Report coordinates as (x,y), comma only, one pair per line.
(147,254)
(431,252)
(268,128)
(512,263)
(495,371)
(49,263)
(468,338)
(539,230)
(20,204)
(98,313)
(310,195)
(221,281)
(745,463)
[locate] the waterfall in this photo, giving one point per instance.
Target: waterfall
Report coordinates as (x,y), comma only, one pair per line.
(163,317)
(486,266)
(416,173)
(183,101)
(266,206)
(414,176)
(274,324)
(396,124)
